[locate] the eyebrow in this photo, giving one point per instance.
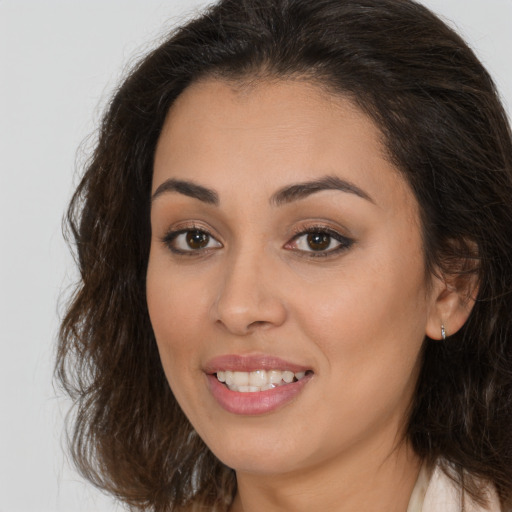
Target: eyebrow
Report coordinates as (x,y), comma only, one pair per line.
(303,190)
(284,195)
(189,189)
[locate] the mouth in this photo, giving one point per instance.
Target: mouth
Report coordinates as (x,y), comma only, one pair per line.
(255,384)
(258,380)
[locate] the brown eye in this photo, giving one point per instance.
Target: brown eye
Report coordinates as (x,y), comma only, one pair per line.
(318,241)
(197,239)
(190,241)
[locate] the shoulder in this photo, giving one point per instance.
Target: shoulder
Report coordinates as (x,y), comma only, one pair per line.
(444,494)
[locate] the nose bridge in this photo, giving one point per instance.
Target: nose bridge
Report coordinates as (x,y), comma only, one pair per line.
(248,296)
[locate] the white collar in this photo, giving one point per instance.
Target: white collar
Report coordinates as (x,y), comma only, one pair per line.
(419,491)
(435,491)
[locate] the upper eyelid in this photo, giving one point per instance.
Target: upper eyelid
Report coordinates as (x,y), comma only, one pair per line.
(320,228)
(191,226)
(333,234)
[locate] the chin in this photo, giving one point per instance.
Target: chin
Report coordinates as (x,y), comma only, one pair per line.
(259,463)
(263,451)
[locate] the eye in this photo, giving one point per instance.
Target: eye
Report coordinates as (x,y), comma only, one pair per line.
(319,242)
(190,241)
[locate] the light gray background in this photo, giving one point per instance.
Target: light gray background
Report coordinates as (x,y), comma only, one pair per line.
(59,61)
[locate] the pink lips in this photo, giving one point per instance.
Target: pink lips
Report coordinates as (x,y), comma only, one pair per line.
(259,402)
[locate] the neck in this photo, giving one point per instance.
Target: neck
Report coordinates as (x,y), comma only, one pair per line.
(375,482)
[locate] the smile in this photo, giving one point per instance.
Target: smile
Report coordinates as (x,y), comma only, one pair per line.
(255,384)
(259,380)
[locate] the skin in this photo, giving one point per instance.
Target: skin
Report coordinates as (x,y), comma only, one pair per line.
(356,317)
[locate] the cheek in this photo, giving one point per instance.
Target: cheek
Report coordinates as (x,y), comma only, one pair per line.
(364,303)
(369,324)
(176,306)
(176,299)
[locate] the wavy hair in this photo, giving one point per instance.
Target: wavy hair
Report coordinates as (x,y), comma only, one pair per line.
(445,130)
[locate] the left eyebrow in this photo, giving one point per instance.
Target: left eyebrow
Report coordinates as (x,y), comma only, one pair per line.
(301,190)
(187,188)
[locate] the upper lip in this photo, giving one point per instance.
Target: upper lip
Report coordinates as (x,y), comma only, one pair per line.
(251,363)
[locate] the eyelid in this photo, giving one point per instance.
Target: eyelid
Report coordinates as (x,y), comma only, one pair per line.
(173,233)
(345,241)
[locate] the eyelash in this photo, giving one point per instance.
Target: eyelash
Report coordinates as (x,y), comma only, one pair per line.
(171,236)
(344,242)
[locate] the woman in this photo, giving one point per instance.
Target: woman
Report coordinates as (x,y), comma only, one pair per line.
(294,240)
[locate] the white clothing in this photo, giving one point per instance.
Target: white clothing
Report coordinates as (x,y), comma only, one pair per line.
(436,492)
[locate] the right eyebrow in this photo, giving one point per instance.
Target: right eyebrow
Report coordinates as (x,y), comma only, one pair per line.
(187,188)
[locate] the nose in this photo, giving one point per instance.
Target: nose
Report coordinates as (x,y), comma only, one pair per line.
(249,297)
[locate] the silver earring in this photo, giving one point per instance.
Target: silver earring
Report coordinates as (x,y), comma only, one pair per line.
(443,332)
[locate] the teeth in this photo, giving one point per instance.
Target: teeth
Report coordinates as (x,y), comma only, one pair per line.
(259,380)
(240,379)
(288,377)
(248,389)
(275,377)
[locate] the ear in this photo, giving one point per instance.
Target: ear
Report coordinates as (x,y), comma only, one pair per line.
(452,299)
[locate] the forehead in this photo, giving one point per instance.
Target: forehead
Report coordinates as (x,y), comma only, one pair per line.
(263,136)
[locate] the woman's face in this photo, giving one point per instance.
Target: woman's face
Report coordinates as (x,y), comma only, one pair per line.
(285,247)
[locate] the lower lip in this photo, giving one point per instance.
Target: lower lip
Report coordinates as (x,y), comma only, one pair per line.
(258,402)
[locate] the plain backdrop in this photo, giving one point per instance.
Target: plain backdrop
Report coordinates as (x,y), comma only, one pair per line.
(59,62)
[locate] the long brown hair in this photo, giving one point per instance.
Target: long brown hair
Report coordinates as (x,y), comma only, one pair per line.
(446,132)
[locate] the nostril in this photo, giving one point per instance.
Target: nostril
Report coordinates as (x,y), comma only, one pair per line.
(257,323)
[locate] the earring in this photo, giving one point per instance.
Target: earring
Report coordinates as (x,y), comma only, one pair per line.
(443,332)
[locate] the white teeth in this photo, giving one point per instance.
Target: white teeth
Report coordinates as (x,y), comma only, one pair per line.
(247,389)
(274,376)
(240,379)
(259,380)
(288,377)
